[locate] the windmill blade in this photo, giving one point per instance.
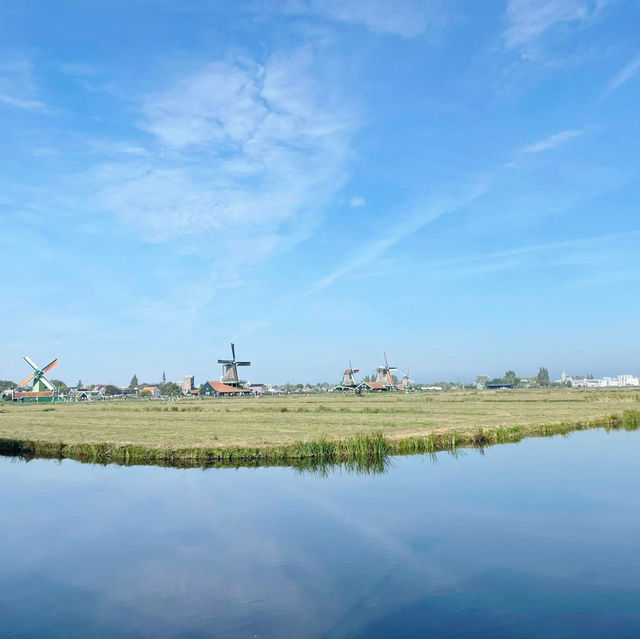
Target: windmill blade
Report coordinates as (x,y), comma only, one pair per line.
(356,371)
(243,363)
(392,368)
(233,350)
(25,381)
(47,383)
(225,361)
(31,363)
(386,363)
(48,367)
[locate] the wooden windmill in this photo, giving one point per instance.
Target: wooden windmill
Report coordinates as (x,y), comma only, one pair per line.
(230,369)
(407,382)
(40,383)
(348,382)
(384,376)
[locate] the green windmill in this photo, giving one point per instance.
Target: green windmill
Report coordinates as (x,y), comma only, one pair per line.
(40,382)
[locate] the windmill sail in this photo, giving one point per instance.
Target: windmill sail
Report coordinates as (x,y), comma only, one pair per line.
(40,381)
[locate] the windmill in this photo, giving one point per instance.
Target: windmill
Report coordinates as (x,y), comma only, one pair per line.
(40,382)
(230,369)
(348,382)
(384,376)
(407,382)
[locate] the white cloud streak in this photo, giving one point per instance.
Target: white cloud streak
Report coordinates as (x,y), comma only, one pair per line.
(22,103)
(574,251)
(629,71)
(17,86)
(405,18)
(422,216)
(527,20)
(552,141)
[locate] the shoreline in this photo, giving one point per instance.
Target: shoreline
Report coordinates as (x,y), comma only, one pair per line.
(365,451)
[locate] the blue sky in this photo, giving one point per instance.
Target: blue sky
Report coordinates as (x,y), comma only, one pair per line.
(454,182)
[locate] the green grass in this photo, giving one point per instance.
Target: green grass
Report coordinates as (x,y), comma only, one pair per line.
(302,430)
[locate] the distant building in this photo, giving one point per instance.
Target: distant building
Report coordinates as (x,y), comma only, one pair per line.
(188,384)
(218,389)
(620,381)
(86,394)
(372,386)
(258,389)
(154,390)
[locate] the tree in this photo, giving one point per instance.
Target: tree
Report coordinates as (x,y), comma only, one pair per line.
(59,384)
(510,378)
(134,381)
(171,389)
(145,393)
(164,378)
(110,389)
(7,384)
(543,377)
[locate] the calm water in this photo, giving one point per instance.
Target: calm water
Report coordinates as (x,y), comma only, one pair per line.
(540,539)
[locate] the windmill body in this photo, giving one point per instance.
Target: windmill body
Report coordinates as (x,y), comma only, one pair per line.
(384,374)
(348,382)
(407,383)
(230,369)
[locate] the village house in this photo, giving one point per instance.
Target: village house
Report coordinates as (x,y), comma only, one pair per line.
(219,389)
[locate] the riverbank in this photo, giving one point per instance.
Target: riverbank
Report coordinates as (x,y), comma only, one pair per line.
(302,429)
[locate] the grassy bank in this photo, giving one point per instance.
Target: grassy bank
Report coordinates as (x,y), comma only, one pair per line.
(303,430)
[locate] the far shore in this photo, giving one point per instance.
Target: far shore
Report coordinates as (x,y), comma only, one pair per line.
(299,430)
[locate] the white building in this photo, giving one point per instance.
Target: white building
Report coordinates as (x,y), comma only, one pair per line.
(620,381)
(628,380)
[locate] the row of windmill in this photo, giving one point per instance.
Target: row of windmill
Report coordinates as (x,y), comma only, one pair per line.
(384,381)
(42,388)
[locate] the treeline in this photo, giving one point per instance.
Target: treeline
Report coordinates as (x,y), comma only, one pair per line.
(511,378)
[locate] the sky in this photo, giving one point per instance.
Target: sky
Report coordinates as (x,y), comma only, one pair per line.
(456,183)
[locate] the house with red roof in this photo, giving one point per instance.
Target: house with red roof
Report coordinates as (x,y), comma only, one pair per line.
(218,389)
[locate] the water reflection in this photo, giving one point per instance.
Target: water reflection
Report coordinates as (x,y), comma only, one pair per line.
(538,539)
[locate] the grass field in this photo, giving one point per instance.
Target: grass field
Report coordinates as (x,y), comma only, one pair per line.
(251,428)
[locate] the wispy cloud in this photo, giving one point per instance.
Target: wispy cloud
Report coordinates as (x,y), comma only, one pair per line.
(357,202)
(527,20)
(23,103)
(574,251)
(18,88)
(242,158)
(629,71)
(423,215)
(552,141)
(405,18)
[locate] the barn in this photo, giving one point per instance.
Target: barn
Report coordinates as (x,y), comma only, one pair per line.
(218,389)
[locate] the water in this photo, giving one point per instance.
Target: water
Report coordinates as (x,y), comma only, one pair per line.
(540,539)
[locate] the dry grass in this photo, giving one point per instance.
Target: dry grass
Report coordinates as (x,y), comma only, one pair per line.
(282,421)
